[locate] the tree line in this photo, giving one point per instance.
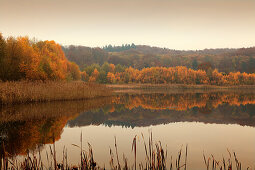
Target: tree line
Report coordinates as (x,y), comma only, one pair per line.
(109,73)
(140,56)
(111,48)
(23,58)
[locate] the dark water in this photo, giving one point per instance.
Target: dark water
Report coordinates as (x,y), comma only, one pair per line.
(211,122)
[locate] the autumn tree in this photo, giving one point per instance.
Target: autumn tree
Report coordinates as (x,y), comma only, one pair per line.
(74,71)
(111,78)
(119,68)
(84,76)
(106,67)
(112,68)
(94,76)
(21,58)
(12,60)
(89,69)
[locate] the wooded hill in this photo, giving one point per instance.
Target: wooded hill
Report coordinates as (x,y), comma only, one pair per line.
(142,56)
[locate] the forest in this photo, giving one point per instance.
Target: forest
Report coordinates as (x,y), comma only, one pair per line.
(22,58)
(141,56)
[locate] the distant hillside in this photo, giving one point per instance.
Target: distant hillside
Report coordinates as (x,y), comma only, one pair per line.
(140,56)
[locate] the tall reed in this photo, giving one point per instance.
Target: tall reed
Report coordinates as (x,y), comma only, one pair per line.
(39,91)
(155,156)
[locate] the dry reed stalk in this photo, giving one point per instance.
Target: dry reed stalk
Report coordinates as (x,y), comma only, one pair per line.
(54,153)
(186,156)
(111,159)
(117,155)
(223,165)
(38,91)
(81,151)
(125,162)
(158,159)
(134,148)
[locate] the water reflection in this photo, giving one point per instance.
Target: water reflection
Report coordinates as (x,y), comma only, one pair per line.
(18,137)
(24,127)
(152,109)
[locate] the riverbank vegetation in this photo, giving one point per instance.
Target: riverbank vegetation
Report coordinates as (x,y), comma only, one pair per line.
(39,91)
(109,73)
(38,71)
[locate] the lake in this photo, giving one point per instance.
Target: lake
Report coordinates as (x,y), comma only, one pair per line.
(210,122)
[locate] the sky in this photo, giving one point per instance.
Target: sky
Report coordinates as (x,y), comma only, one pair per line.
(174,24)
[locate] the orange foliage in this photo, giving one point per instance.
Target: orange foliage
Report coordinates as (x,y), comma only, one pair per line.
(42,60)
(84,76)
(111,77)
(180,75)
(112,66)
(94,76)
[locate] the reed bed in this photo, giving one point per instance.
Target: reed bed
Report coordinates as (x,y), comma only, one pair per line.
(230,163)
(155,155)
(39,91)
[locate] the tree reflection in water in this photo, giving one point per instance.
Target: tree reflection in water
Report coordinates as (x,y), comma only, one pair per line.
(24,127)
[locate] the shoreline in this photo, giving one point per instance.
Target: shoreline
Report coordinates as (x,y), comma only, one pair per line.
(21,92)
(177,88)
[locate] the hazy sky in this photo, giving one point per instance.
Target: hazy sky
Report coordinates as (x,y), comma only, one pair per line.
(175,24)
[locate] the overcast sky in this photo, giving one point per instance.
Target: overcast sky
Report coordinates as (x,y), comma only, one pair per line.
(175,24)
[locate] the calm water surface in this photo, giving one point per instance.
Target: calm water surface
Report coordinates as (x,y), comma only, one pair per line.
(209,122)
